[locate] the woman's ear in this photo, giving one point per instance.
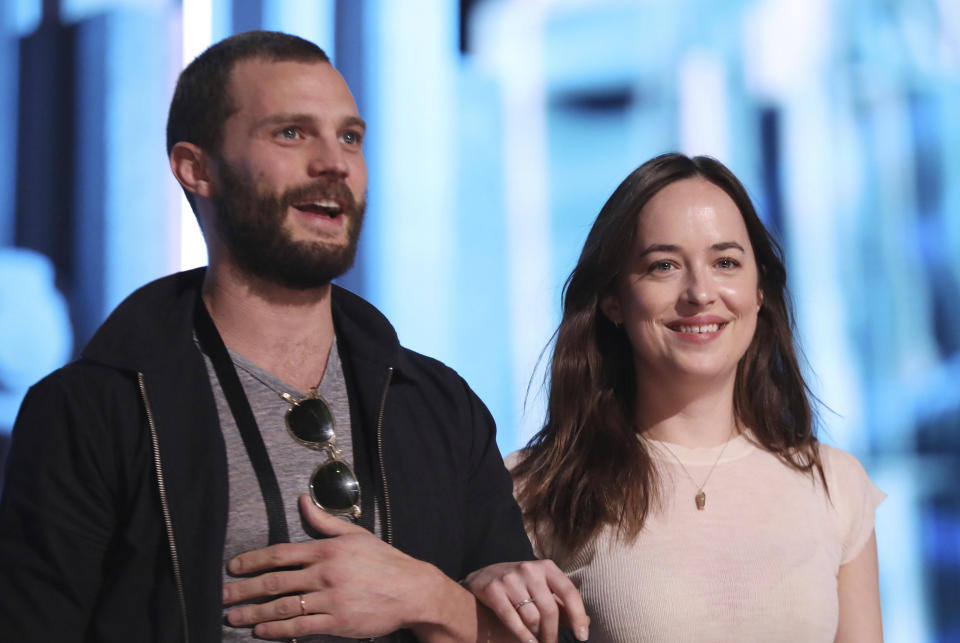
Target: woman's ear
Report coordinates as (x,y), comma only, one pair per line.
(191,166)
(610,307)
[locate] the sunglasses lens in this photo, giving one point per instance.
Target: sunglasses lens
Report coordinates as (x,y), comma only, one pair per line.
(334,487)
(310,421)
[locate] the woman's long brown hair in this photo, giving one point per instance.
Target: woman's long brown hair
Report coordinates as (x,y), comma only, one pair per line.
(586,469)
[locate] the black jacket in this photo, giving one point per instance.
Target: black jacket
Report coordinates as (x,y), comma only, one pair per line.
(114,512)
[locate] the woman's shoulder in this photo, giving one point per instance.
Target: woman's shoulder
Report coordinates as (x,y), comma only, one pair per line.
(512,459)
(839,465)
(853,495)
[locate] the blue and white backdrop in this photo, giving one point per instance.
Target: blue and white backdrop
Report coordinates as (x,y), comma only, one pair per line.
(497,130)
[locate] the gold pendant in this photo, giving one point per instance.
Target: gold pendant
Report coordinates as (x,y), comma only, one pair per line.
(701,500)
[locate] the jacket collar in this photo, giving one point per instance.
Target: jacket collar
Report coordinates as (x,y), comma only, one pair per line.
(153,327)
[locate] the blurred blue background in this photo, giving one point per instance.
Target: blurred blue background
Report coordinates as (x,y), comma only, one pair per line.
(497,128)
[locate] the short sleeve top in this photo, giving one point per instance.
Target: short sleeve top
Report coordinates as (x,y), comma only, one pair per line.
(759,562)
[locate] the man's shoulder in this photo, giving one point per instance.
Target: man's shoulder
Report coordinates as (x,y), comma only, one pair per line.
(146,326)
(82,398)
(431,366)
(358,319)
(355,317)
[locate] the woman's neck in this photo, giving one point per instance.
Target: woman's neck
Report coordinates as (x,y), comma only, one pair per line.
(701,416)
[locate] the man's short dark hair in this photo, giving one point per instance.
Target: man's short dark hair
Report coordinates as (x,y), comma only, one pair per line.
(201,103)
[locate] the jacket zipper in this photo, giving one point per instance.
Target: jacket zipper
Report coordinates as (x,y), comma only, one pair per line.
(388,524)
(165,507)
(388,533)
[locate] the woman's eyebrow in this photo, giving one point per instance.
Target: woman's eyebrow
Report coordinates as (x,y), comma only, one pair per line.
(660,247)
(670,247)
(727,245)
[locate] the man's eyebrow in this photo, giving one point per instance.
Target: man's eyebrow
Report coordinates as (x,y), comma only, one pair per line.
(355,121)
(277,119)
(280,119)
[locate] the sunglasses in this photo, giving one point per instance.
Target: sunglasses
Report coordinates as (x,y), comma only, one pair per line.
(333,484)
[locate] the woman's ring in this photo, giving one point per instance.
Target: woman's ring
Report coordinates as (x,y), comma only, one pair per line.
(303,606)
(525,601)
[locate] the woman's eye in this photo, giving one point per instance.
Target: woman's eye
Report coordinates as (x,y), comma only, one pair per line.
(661,266)
(727,263)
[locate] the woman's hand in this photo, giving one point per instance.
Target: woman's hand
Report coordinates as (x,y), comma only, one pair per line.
(532,598)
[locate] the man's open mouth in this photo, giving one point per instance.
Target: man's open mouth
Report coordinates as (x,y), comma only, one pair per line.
(327,207)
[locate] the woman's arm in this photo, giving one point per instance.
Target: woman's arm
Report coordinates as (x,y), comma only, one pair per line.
(859,591)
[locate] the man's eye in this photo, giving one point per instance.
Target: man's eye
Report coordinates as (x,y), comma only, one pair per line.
(290,132)
(352,138)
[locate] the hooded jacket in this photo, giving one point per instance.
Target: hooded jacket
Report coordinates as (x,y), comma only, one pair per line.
(114,512)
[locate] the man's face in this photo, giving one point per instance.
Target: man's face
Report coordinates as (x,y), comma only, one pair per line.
(290,178)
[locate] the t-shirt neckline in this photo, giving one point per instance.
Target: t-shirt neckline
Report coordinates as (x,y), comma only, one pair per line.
(736,448)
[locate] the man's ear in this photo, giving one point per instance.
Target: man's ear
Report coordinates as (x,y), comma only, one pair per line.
(192,167)
(610,307)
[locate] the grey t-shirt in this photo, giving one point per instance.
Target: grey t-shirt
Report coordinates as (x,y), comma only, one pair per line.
(292,462)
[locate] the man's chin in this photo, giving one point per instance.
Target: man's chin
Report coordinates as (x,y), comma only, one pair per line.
(304,227)
(305,266)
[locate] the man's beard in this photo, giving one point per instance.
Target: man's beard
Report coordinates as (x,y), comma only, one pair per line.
(251,224)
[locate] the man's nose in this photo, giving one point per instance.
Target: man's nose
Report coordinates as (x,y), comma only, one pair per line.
(327,158)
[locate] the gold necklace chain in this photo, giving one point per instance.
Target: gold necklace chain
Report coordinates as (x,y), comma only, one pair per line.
(287,397)
(701,497)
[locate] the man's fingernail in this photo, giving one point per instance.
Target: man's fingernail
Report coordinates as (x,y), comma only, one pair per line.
(583,633)
(226,594)
(234,566)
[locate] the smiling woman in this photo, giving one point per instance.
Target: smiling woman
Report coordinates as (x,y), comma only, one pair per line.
(677,478)
(689,296)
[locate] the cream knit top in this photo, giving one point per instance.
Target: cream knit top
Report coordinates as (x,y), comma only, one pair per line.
(759,563)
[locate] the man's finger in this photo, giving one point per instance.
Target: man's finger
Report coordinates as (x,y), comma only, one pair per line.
(299,626)
(276,610)
(273,557)
(326,524)
(270,584)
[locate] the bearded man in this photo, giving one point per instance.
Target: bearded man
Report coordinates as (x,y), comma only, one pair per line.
(246,450)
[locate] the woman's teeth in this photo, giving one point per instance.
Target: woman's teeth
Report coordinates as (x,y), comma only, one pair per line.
(706,328)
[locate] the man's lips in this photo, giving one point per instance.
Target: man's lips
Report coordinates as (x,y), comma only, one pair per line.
(328,207)
(323,198)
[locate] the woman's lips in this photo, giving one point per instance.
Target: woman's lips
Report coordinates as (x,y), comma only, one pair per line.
(697,328)
(697,331)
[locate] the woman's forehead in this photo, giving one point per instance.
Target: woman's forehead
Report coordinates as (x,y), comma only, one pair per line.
(691,212)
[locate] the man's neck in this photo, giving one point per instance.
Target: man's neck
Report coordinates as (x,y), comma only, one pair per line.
(284,331)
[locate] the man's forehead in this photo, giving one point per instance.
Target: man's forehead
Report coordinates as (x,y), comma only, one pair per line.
(259,80)
(263,64)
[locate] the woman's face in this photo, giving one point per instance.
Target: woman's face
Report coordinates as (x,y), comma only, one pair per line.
(689,296)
